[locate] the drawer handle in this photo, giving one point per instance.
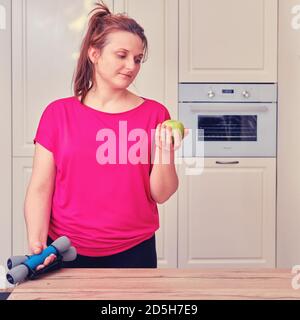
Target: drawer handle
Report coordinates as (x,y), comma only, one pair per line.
(227,162)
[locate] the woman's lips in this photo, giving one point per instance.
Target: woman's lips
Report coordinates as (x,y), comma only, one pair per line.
(125,75)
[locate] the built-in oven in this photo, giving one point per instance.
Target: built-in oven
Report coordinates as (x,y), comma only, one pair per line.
(229,119)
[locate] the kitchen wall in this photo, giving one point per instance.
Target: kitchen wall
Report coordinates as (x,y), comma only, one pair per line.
(288,174)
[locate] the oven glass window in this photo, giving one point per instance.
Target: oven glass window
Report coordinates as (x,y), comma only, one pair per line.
(227,128)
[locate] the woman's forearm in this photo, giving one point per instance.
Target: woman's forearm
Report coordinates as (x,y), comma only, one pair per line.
(37,210)
(163,178)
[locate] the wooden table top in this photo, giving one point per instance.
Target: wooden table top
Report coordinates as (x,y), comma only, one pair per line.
(158,284)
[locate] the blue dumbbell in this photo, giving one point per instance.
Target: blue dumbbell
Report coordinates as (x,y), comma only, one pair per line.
(22,267)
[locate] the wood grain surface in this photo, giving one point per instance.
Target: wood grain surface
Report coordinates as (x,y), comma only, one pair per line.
(149,284)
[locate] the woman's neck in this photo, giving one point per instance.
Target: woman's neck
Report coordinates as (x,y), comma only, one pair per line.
(121,102)
(106,98)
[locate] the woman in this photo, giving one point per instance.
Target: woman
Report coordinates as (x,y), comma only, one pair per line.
(96,178)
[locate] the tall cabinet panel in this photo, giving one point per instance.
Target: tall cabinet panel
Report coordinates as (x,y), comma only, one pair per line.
(158,80)
(228,41)
(288,204)
(5,130)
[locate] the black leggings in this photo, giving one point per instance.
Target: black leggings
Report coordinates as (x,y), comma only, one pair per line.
(142,255)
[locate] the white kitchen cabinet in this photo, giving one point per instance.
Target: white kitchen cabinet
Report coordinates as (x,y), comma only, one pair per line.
(288,173)
(227,213)
(46,38)
(228,41)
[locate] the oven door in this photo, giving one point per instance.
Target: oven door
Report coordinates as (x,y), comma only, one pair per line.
(230,129)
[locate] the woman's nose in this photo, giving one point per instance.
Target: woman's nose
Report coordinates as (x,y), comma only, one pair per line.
(130,64)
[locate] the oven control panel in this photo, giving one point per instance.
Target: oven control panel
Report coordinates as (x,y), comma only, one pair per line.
(223,92)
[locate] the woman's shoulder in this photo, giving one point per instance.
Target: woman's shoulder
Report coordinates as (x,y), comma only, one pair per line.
(156,105)
(60,104)
(141,100)
(62,101)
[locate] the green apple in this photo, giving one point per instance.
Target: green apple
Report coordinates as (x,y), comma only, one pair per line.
(175,125)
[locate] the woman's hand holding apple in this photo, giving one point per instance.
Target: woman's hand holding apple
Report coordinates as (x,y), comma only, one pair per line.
(169,135)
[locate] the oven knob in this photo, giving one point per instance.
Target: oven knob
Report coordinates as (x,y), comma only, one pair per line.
(246,94)
(210,94)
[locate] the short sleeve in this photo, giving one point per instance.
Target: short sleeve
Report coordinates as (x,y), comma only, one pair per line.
(164,115)
(45,134)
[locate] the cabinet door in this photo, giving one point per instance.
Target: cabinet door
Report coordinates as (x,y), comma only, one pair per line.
(46,40)
(227,214)
(228,41)
(22,170)
(158,80)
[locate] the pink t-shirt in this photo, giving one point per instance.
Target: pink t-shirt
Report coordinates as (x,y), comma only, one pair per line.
(102,199)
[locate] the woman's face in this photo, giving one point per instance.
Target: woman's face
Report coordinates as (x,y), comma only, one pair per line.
(119,61)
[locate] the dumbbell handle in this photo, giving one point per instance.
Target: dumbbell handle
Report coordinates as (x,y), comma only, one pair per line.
(33,261)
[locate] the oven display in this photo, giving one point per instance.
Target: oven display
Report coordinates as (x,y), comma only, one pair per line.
(227,128)
(227,91)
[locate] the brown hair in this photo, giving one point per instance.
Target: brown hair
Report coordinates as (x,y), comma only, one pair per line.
(100,25)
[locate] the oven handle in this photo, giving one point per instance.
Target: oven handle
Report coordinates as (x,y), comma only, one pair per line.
(227,162)
(227,109)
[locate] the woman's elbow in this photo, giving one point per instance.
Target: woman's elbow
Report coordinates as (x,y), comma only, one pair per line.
(164,197)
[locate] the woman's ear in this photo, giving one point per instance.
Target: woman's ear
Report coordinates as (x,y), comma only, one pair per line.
(93,54)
